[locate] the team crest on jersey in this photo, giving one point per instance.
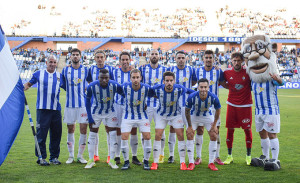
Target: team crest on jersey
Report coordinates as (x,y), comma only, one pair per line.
(136,102)
(169,104)
(211,82)
(82,71)
(183,79)
(76,81)
(238,86)
(260,89)
(155,80)
(214,74)
(106,99)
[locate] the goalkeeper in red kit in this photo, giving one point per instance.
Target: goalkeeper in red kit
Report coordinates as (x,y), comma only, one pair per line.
(239,104)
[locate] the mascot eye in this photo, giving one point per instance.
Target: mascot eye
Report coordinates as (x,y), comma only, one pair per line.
(248,49)
(260,45)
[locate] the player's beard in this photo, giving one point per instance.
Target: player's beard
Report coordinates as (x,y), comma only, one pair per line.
(154,60)
(265,76)
(169,87)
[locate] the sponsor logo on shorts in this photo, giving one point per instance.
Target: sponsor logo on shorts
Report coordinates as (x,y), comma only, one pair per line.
(180,121)
(114,119)
(83,115)
(147,124)
(246,120)
(270,124)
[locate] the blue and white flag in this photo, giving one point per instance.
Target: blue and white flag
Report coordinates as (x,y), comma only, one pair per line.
(12,98)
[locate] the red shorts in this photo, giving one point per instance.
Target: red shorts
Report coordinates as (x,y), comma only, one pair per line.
(238,117)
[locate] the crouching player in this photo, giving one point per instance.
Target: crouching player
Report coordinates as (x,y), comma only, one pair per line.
(102,110)
(198,112)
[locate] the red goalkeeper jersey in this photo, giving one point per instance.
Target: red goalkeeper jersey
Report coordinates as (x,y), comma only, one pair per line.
(239,85)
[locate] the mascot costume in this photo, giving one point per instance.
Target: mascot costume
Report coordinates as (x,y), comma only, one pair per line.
(261,67)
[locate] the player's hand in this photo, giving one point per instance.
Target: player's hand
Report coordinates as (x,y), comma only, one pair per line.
(214,129)
(275,77)
(189,131)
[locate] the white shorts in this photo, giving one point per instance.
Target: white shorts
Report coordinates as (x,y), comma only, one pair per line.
(182,111)
(128,124)
(119,113)
(109,120)
(271,123)
(213,110)
(205,121)
(79,114)
(162,121)
(150,113)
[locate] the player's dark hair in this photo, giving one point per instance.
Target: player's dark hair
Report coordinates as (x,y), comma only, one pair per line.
(100,51)
(124,53)
(237,54)
(75,50)
(202,80)
(168,73)
(274,46)
(135,71)
(103,71)
(180,52)
(208,52)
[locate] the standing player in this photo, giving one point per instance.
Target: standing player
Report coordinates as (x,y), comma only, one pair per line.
(214,77)
(48,110)
(168,111)
(93,75)
(103,92)
(185,76)
(152,74)
(122,75)
(239,102)
(198,111)
(136,94)
(74,80)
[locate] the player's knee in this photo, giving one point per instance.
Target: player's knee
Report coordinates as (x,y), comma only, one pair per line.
(272,135)
(133,131)
(200,130)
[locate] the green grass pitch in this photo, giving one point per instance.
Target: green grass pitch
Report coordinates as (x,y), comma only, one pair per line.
(20,165)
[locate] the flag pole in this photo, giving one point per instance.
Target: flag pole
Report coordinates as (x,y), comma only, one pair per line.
(42,162)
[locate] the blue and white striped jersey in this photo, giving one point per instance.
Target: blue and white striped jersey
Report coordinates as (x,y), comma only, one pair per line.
(120,77)
(74,81)
(213,76)
(202,108)
(48,89)
(184,76)
(169,101)
(103,98)
(135,101)
(266,101)
(152,77)
(93,73)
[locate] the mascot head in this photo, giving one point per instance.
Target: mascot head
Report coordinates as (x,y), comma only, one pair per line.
(259,58)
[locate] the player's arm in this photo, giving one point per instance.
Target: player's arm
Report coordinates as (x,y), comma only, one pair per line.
(27,86)
(188,107)
(32,81)
(120,90)
(224,84)
(277,79)
(217,106)
(194,77)
(88,104)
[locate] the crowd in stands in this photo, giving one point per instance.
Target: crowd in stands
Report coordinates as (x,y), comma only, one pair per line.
(181,23)
(247,22)
(95,24)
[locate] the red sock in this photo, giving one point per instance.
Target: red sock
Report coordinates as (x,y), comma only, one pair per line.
(248,138)
(229,139)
